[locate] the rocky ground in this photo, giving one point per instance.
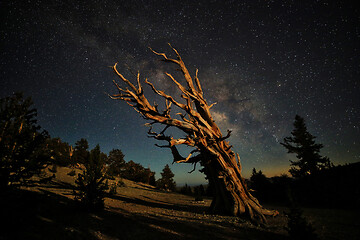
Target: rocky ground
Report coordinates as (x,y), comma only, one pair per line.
(139,211)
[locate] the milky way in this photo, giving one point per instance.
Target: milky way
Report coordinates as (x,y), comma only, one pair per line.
(262,62)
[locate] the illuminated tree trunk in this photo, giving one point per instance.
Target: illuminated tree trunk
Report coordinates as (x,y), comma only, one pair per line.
(211,149)
(231,195)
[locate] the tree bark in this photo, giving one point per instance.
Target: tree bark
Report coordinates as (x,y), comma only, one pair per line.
(231,194)
(212,150)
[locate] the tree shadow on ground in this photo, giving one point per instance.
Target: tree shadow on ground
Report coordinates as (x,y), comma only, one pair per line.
(157,200)
(157,204)
(46,215)
(149,189)
(59,185)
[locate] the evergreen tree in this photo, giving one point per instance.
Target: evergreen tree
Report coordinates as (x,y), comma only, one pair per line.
(166,181)
(186,190)
(104,159)
(152,180)
(302,143)
(61,152)
(91,184)
(81,152)
(298,227)
(23,151)
(133,171)
(148,176)
(199,192)
(116,162)
(260,184)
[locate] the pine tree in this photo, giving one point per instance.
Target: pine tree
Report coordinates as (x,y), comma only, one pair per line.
(91,184)
(148,176)
(298,227)
(199,192)
(186,190)
(166,181)
(61,152)
(302,143)
(23,150)
(152,180)
(260,184)
(116,162)
(133,171)
(81,152)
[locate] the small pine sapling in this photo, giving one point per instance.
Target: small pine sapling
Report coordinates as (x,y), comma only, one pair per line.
(91,184)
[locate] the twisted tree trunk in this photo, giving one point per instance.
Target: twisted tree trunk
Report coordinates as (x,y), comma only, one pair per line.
(211,149)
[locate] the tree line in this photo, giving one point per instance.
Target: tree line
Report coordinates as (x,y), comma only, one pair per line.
(314,181)
(65,155)
(336,187)
(26,150)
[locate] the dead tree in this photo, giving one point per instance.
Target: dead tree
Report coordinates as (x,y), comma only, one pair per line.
(221,166)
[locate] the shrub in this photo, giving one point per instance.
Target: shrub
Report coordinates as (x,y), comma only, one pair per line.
(91,184)
(72,173)
(121,183)
(298,227)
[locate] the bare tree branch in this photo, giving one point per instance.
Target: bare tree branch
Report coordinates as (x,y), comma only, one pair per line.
(221,165)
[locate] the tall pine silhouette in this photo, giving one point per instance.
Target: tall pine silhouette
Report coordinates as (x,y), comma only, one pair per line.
(302,143)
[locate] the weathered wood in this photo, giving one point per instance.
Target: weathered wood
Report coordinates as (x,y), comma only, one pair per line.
(214,153)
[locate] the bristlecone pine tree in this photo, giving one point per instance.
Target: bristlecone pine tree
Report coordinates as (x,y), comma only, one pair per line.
(211,149)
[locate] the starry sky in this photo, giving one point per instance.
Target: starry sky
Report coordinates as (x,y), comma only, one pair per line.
(263,62)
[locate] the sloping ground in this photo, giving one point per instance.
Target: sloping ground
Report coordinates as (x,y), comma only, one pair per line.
(138,211)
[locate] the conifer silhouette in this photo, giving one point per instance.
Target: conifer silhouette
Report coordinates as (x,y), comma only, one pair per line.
(91,184)
(302,143)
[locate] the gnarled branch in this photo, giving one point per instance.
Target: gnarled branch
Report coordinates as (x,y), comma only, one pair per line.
(221,165)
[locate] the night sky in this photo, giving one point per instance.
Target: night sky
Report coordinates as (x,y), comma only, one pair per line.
(283,57)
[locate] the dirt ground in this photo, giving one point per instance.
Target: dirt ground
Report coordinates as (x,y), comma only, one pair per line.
(139,211)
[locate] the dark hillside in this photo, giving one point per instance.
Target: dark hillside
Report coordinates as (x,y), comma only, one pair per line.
(139,211)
